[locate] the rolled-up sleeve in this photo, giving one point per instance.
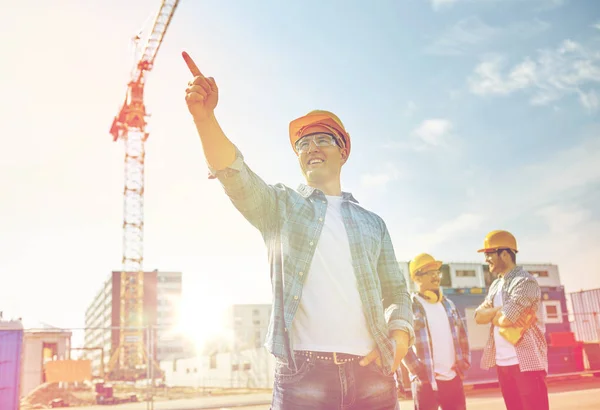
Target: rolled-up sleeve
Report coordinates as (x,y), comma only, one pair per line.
(396,298)
(254,199)
(524,295)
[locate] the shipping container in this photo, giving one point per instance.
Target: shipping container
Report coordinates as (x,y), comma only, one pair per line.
(585,306)
(11,346)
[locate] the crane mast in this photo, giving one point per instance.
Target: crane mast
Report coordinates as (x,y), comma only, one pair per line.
(130,126)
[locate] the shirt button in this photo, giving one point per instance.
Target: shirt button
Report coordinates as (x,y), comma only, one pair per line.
(300,273)
(320,219)
(324,202)
(310,243)
(296,297)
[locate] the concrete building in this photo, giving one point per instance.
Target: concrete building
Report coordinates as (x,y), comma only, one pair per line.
(240,362)
(249,324)
(161,304)
(41,345)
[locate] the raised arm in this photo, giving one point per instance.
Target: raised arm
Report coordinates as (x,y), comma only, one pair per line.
(256,200)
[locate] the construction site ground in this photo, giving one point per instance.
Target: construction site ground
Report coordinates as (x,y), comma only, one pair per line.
(565,393)
(84,396)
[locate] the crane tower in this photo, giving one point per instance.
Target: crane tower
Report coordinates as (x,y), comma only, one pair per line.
(130,126)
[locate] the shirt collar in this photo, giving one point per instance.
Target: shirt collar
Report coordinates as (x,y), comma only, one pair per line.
(510,274)
(307,191)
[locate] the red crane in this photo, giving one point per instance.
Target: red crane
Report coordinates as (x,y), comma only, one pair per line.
(130,126)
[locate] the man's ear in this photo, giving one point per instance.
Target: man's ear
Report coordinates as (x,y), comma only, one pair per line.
(344,155)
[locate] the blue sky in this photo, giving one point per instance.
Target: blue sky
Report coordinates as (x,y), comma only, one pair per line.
(466,116)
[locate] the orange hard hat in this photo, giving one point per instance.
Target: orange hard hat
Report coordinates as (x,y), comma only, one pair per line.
(499,240)
(423,262)
(319,117)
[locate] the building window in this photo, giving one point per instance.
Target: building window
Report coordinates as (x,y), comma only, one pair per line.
(246,366)
(213,361)
(235,367)
(487,276)
(465,274)
(256,322)
(255,312)
(446,280)
(552,311)
(540,273)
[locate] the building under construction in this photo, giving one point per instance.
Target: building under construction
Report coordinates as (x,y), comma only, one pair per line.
(161,302)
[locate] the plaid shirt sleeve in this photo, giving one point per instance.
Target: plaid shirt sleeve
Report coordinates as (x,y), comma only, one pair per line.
(396,299)
(255,200)
(463,341)
(415,366)
(487,302)
(524,294)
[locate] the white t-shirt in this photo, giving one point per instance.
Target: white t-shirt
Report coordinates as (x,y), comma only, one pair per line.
(506,355)
(444,355)
(330,316)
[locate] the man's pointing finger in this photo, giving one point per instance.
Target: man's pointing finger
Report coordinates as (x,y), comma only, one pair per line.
(191,65)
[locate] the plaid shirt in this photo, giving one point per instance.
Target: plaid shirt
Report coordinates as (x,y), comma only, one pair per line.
(290,223)
(519,293)
(419,360)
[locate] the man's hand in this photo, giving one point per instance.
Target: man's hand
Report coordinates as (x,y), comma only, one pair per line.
(486,315)
(401,339)
(502,321)
(498,319)
(202,93)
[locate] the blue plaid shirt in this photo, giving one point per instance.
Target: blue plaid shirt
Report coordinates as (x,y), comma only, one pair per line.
(419,360)
(290,222)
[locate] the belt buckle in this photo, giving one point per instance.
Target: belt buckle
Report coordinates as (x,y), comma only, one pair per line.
(335,360)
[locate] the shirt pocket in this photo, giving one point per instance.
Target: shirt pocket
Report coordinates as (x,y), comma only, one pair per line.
(370,237)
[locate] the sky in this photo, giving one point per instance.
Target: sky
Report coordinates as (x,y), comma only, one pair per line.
(465,116)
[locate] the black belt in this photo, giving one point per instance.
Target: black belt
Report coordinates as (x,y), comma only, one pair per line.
(337,358)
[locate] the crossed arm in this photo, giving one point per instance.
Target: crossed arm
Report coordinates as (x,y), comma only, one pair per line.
(522,297)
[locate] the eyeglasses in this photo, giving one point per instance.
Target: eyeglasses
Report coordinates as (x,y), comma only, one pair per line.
(497,252)
(320,139)
(429,273)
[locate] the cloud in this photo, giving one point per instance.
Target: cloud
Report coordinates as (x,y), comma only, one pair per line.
(567,69)
(540,5)
(563,219)
(433,132)
(472,33)
(411,108)
(388,174)
(440,4)
(589,100)
(449,230)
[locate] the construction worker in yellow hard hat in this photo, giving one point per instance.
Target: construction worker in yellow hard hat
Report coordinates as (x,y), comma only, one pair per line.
(436,378)
(331,261)
(517,344)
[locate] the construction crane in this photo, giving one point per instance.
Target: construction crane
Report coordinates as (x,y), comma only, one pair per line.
(130,126)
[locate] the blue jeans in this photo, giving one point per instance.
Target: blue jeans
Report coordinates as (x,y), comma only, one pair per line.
(450,395)
(321,384)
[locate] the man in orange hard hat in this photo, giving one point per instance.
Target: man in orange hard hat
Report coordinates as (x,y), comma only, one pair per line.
(517,343)
(341,320)
(440,356)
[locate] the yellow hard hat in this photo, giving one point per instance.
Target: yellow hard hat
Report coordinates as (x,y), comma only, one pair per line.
(319,117)
(499,240)
(423,262)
